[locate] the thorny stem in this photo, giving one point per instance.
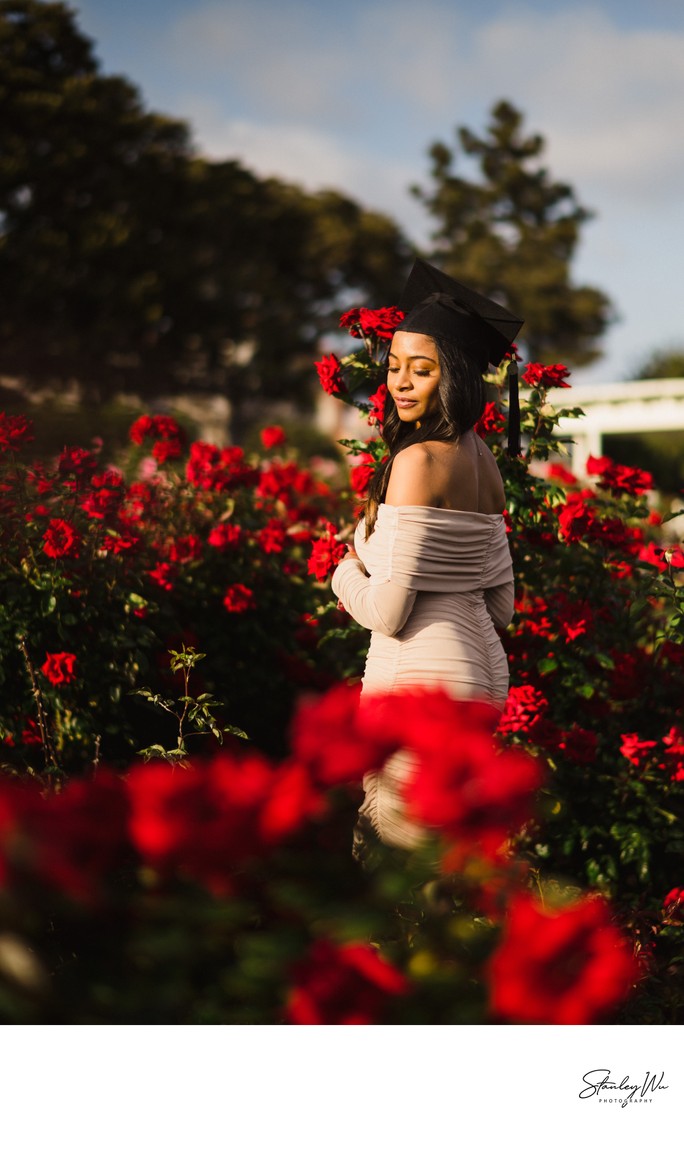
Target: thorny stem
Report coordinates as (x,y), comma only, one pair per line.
(181,717)
(49,754)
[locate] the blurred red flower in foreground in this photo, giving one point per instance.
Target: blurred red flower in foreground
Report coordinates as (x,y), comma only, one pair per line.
(327,738)
(342,984)
(569,966)
(72,841)
(207,819)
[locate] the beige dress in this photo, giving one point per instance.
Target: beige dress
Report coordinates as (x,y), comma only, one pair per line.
(432,585)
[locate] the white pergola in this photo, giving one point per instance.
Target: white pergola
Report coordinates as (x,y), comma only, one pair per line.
(632,406)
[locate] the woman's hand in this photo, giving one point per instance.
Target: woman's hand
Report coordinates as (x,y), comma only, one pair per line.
(352,554)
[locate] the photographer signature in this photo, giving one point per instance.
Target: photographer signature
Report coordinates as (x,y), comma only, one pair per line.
(599,1080)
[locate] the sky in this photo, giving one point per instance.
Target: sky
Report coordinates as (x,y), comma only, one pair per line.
(351,96)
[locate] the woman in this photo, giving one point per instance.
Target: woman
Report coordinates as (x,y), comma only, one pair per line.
(430,571)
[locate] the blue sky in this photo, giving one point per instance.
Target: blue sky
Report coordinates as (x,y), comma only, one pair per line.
(351,96)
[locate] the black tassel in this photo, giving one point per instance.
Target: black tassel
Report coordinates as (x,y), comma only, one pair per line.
(513,409)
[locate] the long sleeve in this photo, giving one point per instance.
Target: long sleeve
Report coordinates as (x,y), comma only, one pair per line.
(383,607)
(500,603)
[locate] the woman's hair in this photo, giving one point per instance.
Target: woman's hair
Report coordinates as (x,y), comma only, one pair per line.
(461,400)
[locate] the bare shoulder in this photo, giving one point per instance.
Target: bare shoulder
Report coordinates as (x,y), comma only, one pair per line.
(412,477)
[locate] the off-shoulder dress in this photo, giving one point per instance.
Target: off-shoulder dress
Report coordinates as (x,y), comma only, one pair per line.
(432,585)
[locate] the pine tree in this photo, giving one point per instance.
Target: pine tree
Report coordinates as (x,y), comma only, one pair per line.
(512,232)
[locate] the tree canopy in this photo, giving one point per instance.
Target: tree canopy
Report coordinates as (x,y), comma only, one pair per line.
(512,231)
(662,364)
(128,260)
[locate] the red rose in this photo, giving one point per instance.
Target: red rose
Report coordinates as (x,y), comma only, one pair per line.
(330,375)
(105,495)
(272,437)
(185,549)
(674,752)
(617,477)
(238,598)
(673,905)
(219,469)
(361,474)
(61,539)
(272,537)
(165,450)
(492,421)
(570,966)
(78,462)
(635,749)
(326,553)
(162,574)
(350,320)
(546,375)
(328,738)
(224,536)
(211,817)
(380,322)
(59,667)
(155,428)
(465,787)
(524,711)
(561,473)
(342,984)
(14,432)
(377,402)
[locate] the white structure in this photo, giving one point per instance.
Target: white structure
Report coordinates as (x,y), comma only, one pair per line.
(633,406)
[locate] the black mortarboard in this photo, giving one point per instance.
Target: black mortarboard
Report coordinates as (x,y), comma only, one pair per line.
(437,305)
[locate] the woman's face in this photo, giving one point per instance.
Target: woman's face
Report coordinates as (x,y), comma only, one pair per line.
(413,375)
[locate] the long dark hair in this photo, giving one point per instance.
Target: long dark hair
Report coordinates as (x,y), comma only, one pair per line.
(461,400)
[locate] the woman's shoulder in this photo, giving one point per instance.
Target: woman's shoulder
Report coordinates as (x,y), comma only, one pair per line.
(412,478)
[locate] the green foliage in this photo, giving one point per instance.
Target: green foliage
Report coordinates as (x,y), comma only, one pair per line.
(195,716)
(667,363)
(129,263)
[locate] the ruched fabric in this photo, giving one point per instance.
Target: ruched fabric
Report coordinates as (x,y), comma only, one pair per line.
(448,564)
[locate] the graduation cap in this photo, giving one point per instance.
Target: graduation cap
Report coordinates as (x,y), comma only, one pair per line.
(437,305)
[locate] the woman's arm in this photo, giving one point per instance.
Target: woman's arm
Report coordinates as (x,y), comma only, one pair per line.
(500,601)
(381,607)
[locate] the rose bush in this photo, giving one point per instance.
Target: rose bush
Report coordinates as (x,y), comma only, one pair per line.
(221,888)
(225,891)
(596,653)
(102,574)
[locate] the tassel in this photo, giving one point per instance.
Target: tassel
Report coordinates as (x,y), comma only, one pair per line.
(513,409)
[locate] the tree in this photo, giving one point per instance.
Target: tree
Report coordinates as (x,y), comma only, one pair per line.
(513,233)
(663,364)
(128,262)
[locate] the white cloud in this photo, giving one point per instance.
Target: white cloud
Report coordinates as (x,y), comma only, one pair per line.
(308,157)
(608,100)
